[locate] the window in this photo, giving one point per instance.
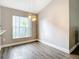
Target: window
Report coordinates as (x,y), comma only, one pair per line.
(22,27)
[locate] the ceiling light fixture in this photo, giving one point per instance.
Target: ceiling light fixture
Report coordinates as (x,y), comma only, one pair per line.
(34,18)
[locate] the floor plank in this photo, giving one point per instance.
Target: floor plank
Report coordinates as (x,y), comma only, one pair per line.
(36,50)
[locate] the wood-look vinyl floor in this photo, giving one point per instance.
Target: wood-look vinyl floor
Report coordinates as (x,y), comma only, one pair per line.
(35,50)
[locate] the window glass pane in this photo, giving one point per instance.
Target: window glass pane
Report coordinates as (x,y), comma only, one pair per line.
(17,21)
(14,32)
(22,27)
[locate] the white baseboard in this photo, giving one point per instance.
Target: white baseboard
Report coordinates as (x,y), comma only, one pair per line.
(62,49)
(7,45)
(73,48)
(54,46)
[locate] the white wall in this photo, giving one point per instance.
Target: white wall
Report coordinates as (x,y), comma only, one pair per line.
(54,24)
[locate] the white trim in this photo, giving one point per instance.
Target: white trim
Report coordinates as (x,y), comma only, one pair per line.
(7,45)
(54,46)
(73,48)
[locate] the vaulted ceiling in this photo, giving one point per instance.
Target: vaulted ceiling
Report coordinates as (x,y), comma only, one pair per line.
(34,6)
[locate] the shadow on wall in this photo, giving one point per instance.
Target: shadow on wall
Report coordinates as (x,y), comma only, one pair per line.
(76,51)
(76,35)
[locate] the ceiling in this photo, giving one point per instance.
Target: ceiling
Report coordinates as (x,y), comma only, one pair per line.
(34,6)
